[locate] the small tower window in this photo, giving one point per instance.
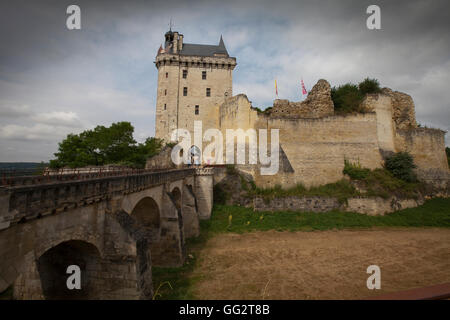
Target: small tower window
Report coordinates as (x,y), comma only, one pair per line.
(197,109)
(208,92)
(184,74)
(165,92)
(203,75)
(185,91)
(165,106)
(167,74)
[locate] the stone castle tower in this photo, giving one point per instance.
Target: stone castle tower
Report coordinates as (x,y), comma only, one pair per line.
(192,78)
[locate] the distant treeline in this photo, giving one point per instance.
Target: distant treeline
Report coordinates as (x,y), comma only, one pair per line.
(22,168)
(22,165)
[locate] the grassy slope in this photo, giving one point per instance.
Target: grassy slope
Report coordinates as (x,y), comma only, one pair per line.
(434,213)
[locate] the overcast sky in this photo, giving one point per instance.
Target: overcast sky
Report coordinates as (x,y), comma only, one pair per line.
(54,81)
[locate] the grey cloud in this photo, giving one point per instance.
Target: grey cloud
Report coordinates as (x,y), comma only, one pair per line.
(73,80)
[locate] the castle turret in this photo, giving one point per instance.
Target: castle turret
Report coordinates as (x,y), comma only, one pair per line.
(192,80)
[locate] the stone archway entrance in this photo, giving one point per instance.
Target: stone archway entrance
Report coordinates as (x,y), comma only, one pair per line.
(53,264)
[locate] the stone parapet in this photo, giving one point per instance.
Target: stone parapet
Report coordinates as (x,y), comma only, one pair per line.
(195,61)
(27,200)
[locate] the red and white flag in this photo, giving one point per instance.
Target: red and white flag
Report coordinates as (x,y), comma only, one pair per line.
(303,88)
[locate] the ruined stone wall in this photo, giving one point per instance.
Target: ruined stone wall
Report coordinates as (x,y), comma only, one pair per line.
(318,104)
(314,142)
(162,160)
(236,113)
(382,105)
(427,146)
(403,110)
(365,205)
(316,148)
(304,204)
(398,131)
(313,150)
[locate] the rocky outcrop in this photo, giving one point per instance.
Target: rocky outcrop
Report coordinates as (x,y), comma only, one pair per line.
(318,104)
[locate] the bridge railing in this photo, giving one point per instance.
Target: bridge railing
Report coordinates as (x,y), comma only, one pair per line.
(30,198)
(68,175)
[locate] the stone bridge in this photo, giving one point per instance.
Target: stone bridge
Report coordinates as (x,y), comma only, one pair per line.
(115,226)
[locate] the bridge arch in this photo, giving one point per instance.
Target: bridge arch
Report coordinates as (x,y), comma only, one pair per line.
(53,263)
(148,215)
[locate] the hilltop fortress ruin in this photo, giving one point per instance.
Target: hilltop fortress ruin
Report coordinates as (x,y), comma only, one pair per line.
(195,83)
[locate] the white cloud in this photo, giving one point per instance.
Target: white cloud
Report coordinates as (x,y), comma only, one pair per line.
(36,132)
(11,110)
(58,118)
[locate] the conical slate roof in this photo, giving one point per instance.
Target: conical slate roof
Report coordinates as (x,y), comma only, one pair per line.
(190,49)
(221,48)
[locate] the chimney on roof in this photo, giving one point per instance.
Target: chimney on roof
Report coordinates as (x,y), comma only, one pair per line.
(175,42)
(180,42)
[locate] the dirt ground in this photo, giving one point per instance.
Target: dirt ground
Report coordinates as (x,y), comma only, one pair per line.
(320,265)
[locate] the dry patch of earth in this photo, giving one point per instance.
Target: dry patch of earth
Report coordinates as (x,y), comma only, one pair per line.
(320,265)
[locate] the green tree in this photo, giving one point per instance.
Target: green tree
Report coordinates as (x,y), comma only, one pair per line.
(105,145)
(346,98)
(401,165)
(369,86)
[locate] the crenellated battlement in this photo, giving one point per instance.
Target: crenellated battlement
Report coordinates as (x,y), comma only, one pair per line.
(167,59)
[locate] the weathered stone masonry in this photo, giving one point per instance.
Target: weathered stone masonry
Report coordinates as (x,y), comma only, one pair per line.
(115,226)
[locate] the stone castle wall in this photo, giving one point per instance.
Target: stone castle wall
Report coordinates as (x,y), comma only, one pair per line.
(426,145)
(315,143)
(370,206)
(316,148)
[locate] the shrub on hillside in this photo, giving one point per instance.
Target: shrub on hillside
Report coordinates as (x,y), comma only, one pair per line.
(401,165)
(346,98)
(369,86)
(355,171)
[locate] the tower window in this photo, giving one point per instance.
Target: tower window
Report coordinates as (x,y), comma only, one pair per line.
(167,74)
(208,92)
(203,75)
(197,109)
(184,74)
(165,92)
(185,91)
(165,106)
